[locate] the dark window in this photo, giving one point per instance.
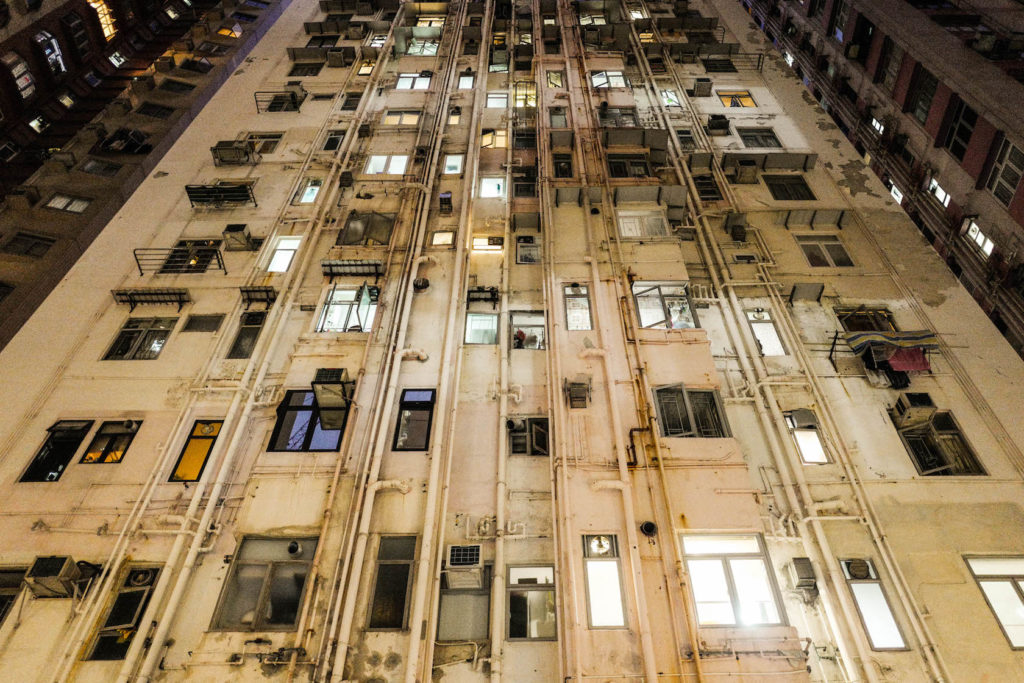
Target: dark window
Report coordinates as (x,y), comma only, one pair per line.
(788,187)
(866,319)
(351,101)
(191,256)
(368,229)
(58,449)
(1006,172)
(101,167)
(306,69)
(333,140)
(628,166)
(528,436)
(5,289)
(298,426)
(524,139)
(961,129)
(196,450)
(156,111)
(617,117)
(758,137)
(531,603)
(141,339)
(121,624)
(938,448)
(685,137)
(248,333)
(111,441)
(10,588)
(175,86)
(824,251)
(563,165)
(690,412)
(922,90)
(77,34)
(29,244)
(415,414)
(395,557)
(203,323)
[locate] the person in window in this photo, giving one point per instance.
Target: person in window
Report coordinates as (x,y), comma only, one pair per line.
(679,316)
(520,339)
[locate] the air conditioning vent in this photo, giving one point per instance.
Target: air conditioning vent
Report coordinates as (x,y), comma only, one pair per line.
(746,171)
(802,573)
(913,408)
(53,577)
(464,567)
(237,238)
(464,556)
(702,87)
(858,570)
(577,393)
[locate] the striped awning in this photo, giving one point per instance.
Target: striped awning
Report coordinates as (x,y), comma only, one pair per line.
(911,339)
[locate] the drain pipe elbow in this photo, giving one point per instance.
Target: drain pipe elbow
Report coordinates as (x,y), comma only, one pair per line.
(400,485)
(414,354)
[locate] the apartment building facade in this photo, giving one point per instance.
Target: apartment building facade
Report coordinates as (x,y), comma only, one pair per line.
(539,341)
(929,92)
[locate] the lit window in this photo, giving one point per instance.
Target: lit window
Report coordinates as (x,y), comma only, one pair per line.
(309,190)
(454,116)
(378,39)
(663,305)
(608,79)
(453,164)
(386,164)
(497,100)
(19,70)
(481,328)
(824,251)
(111,441)
(401,117)
(333,140)
(527,329)
(51,50)
(266,585)
(789,58)
(484,243)
(531,603)
(604,585)
(349,309)
(422,47)
(935,189)
(525,94)
(736,98)
(365,67)
(759,137)
(442,238)
(415,414)
(1001,579)
(670,98)
(803,425)
(527,250)
(196,450)
(896,193)
(730,580)
(284,252)
(466,82)
(873,606)
(877,125)
(983,242)
(577,307)
(141,339)
(492,187)
(641,223)
(116,58)
(106,18)
(67,100)
(413,81)
(430,22)
(65,436)
(765,332)
(299,425)
(496,139)
(556,79)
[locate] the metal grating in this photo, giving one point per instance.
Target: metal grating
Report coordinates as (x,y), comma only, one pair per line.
(253,295)
(464,556)
(152,295)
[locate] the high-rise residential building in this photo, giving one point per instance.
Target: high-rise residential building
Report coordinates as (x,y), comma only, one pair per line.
(930,93)
(509,341)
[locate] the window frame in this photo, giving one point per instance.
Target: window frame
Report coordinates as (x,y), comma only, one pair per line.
(111,437)
(352,305)
(411,563)
(736,99)
(389,162)
(514,328)
(313,425)
(612,557)
(123,633)
(819,240)
(642,287)
(528,250)
(607,79)
(247,334)
(453,164)
(68,203)
(494,332)
(286,245)
(640,223)
(144,327)
(788,187)
(1000,186)
(764,320)
(1014,580)
(876,580)
(692,430)
(514,588)
(798,422)
(408,406)
(529,444)
(936,441)
(763,137)
(412,81)
(398,117)
(195,435)
(31,244)
(73,431)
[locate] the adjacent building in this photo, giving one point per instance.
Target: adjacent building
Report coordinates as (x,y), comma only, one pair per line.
(523,341)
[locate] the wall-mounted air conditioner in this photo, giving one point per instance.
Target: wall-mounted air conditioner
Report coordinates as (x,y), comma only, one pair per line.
(237,238)
(746,171)
(53,577)
(913,408)
(464,566)
(702,87)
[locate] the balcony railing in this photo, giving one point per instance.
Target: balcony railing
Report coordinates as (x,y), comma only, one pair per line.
(179,260)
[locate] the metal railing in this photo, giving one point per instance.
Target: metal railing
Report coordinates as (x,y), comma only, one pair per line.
(179,260)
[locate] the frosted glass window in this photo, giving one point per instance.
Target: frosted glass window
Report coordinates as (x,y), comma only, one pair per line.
(481,328)
(577,308)
(492,187)
(604,593)
(1003,587)
(310,189)
(453,164)
(883,632)
(283,254)
(730,579)
(765,333)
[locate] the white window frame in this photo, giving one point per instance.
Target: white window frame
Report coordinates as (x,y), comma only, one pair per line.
(412,81)
(936,191)
(978,238)
(606,608)
(1001,581)
(474,334)
(676,317)
(877,125)
(497,100)
(343,304)
(702,551)
(309,190)
(897,194)
(1001,181)
(386,164)
(494,139)
(803,426)
(869,595)
(68,203)
(283,254)
(762,326)
(493,187)
(608,79)
(575,311)
(453,164)
(467,81)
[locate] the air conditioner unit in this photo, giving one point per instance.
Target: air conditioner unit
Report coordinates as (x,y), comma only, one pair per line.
(53,577)
(736,226)
(913,408)
(801,573)
(237,238)
(464,566)
(702,87)
(746,171)
(718,124)
(577,393)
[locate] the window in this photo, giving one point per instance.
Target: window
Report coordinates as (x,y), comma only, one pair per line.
(496,139)
(524,138)
(283,254)
(413,81)
(401,117)
(1006,172)
(365,67)
(422,47)
(111,441)
(525,94)
(497,100)
(154,111)
(442,238)
(975,235)
(788,188)
(367,229)
(28,244)
(628,166)
(266,585)
(670,98)
(466,81)
(877,125)
(730,580)
(196,450)
(77,34)
(141,339)
(686,139)
(922,91)
(349,309)
(608,79)
(5,290)
(350,101)
(837,21)
(765,332)
(101,167)
(264,143)
(203,323)
(51,50)
(555,79)
(577,307)
(759,137)
(617,117)
(824,251)
(305,69)
(322,41)
(1001,579)
(415,414)
(117,59)
(63,202)
(10,588)
(897,194)
(938,447)
(21,74)
(695,413)
(936,190)
(527,250)
(248,333)
(663,305)
(736,98)
(875,612)
(308,191)
(481,328)
(642,224)
(465,603)
(492,187)
(298,426)
(604,587)
(191,256)
(378,39)
(803,425)
(386,164)
(454,116)
(563,165)
(527,330)
(863,319)
(453,164)
(528,436)
(395,556)
(333,140)
(56,452)
(531,603)
(121,623)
